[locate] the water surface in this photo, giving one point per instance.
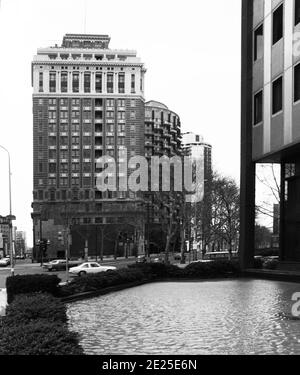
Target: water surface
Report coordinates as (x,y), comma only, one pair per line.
(216,317)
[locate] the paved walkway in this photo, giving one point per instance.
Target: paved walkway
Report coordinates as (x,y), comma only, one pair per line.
(3,299)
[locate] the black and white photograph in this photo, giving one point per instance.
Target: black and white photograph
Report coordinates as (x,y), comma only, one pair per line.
(150,181)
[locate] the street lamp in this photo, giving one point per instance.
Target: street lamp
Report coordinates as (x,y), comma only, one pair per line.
(10,215)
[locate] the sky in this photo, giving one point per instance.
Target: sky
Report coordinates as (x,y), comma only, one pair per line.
(191,51)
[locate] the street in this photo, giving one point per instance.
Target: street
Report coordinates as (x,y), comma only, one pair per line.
(25,267)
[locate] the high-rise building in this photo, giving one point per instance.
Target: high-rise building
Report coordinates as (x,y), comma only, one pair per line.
(20,243)
(162,138)
(270,125)
(193,145)
(88,101)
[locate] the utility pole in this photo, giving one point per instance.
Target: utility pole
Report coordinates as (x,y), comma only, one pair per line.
(11,217)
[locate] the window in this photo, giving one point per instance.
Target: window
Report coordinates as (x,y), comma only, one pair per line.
(258,43)
(63,102)
(132,114)
(41,82)
(278,24)
(110,103)
(87,115)
(75,154)
(121,115)
(110,114)
(132,103)
(87,82)
(297,83)
(297,12)
(121,84)
(75,182)
(110,141)
(64,115)
(277,95)
(64,181)
(258,108)
(121,103)
(64,167)
(64,141)
(75,82)
(64,82)
(121,141)
(110,128)
(75,140)
(75,167)
(52,101)
(132,83)
(75,102)
(121,128)
(110,83)
(98,83)
(52,167)
(52,82)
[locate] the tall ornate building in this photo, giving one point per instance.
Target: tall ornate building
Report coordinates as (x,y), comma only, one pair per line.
(88,101)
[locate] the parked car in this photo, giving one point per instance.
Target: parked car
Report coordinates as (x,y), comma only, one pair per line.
(141,259)
(90,268)
(55,265)
(60,265)
(4,262)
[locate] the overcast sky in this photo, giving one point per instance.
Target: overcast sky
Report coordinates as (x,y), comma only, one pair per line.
(191,51)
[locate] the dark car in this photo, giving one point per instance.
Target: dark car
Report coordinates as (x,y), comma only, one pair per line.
(56,265)
(60,265)
(141,259)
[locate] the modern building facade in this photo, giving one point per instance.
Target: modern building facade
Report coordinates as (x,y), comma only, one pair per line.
(271,116)
(88,101)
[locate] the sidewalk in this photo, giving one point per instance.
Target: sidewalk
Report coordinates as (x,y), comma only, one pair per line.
(3,299)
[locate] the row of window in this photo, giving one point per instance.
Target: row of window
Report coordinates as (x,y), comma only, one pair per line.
(86,102)
(121,115)
(87,82)
(278,27)
(277,96)
(76,128)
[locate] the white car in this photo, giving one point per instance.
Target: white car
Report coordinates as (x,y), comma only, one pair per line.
(4,262)
(90,268)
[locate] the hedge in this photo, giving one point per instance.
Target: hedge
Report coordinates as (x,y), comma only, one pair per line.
(36,324)
(220,268)
(38,338)
(31,284)
(28,307)
(100,281)
(150,272)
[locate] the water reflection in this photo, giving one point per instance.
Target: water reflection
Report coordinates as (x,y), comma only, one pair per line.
(223,317)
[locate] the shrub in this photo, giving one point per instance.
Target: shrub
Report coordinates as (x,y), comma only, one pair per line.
(157,270)
(100,281)
(258,263)
(221,268)
(31,284)
(271,264)
(38,338)
(28,307)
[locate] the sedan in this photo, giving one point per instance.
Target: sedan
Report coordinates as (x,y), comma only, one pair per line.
(90,268)
(55,265)
(4,262)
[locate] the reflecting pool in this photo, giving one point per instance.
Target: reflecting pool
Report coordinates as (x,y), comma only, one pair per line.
(217,317)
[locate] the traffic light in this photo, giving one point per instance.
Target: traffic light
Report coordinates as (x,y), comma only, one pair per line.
(60,237)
